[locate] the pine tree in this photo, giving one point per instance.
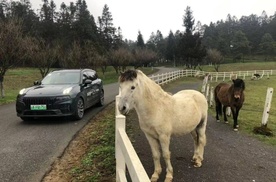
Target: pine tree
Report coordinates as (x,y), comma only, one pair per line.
(107,31)
(140,40)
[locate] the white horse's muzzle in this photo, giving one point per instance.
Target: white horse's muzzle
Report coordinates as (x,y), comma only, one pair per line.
(123,108)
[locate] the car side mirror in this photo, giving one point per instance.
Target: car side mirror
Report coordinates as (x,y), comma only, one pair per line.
(37,82)
(87,82)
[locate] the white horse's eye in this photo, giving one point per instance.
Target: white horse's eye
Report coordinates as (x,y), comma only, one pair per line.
(132,88)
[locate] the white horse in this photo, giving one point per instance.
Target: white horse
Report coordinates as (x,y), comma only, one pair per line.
(161,115)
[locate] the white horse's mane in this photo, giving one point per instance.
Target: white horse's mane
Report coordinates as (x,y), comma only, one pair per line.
(150,86)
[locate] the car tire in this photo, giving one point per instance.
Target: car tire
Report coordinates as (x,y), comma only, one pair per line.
(79,109)
(26,119)
(101,102)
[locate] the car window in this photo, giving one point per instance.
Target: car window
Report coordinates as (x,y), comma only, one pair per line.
(61,78)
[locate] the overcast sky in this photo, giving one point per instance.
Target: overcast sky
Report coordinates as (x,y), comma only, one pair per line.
(149,16)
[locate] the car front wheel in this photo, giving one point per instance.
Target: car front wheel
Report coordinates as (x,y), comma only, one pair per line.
(79,109)
(101,102)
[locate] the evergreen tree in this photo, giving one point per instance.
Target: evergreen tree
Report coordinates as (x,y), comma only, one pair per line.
(188,21)
(140,40)
(84,26)
(107,31)
(22,9)
(240,44)
(48,16)
(171,47)
(267,46)
(190,47)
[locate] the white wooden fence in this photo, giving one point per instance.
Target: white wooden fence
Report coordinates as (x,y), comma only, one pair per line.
(125,154)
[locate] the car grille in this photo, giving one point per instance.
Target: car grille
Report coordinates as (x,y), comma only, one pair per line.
(49,101)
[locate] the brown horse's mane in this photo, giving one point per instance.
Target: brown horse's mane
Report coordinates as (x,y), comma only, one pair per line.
(238,83)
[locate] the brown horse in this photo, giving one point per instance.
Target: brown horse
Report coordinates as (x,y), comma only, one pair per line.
(227,95)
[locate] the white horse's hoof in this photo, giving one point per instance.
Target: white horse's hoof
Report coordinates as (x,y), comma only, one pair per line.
(197,163)
(236,129)
(168,179)
(226,122)
(218,120)
(153,179)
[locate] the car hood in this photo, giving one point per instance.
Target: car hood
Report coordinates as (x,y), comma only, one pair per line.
(44,90)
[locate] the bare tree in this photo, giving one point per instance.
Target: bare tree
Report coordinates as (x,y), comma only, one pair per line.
(215,57)
(80,56)
(43,55)
(119,59)
(143,57)
(13,47)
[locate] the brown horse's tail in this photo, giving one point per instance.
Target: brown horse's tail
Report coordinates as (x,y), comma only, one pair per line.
(218,103)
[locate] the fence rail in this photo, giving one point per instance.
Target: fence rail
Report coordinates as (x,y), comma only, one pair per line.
(124,151)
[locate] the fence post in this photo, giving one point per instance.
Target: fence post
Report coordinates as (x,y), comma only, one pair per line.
(207,91)
(205,81)
(211,96)
(267,105)
(120,123)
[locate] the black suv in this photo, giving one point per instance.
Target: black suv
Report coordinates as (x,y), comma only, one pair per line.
(61,93)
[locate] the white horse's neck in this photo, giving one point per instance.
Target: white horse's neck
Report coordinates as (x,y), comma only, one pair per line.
(151,95)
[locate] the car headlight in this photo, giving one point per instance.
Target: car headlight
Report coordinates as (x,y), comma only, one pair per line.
(22,91)
(62,98)
(67,91)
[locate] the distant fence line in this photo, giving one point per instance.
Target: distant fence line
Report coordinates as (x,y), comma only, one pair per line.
(213,76)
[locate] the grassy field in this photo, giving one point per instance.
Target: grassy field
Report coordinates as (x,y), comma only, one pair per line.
(242,66)
(16,79)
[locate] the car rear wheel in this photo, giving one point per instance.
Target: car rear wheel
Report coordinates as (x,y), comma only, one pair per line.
(79,109)
(101,102)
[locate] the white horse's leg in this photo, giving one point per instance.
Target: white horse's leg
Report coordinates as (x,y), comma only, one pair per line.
(196,151)
(154,145)
(165,145)
(201,142)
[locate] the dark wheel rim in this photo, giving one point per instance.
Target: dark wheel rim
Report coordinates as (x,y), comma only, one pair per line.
(80,108)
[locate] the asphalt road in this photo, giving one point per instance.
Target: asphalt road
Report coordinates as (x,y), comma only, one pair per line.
(27,150)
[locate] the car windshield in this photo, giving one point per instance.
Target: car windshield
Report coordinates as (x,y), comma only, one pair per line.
(58,78)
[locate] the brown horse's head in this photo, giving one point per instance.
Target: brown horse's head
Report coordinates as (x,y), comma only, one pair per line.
(238,88)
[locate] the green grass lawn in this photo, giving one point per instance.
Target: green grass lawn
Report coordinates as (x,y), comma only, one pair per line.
(242,66)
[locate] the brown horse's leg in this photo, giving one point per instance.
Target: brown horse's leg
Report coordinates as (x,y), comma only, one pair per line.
(218,110)
(235,112)
(224,114)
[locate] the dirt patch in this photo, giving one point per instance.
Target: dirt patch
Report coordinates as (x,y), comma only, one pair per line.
(61,170)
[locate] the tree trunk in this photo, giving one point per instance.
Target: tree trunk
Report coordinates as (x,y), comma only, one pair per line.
(2,90)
